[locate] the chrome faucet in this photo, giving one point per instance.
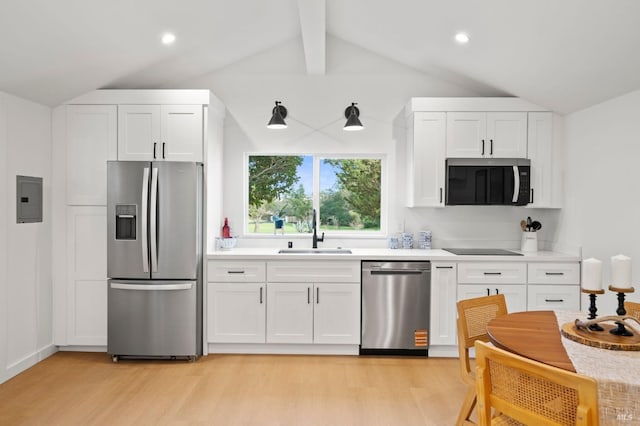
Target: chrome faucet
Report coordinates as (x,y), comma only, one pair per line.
(315,234)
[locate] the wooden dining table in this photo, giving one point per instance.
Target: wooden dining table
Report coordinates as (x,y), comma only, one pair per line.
(532,334)
(536,335)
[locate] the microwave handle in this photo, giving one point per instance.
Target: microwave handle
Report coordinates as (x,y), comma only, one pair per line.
(516,184)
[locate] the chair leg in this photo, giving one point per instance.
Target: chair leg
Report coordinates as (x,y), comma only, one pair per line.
(468,405)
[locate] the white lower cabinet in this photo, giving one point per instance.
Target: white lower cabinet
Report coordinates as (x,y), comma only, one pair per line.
(553,286)
(289,313)
(442,328)
(336,313)
(514,294)
(477,279)
(326,313)
(87,276)
(550,297)
(237,312)
(301,303)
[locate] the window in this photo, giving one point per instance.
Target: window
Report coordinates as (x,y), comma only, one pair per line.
(284,190)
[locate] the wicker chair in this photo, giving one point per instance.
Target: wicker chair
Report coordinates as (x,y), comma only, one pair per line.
(473,316)
(527,392)
(633,309)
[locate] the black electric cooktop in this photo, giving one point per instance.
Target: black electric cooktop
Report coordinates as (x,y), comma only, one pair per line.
(482,252)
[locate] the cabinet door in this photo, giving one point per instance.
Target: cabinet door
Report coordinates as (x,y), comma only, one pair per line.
(336,316)
(515,295)
(443,304)
(466,132)
(426,160)
(87,276)
(182,133)
(506,135)
(540,152)
(138,132)
(289,313)
(236,312)
(92,140)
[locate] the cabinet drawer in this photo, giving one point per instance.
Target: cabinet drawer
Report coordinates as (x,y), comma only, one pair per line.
(554,273)
(326,271)
(492,272)
(236,271)
(545,297)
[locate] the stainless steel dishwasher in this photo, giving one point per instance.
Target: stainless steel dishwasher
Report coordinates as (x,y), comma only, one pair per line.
(395,308)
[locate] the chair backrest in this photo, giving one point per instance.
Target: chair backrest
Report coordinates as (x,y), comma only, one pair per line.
(473,317)
(633,309)
(531,392)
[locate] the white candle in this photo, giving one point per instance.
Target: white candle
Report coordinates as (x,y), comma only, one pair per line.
(621,271)
(592,274)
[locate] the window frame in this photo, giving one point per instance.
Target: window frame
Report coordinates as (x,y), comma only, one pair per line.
(316,158)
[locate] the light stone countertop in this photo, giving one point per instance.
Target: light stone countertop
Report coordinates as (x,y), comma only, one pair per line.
(433,255)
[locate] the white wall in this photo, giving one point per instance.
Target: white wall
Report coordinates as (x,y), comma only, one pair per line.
(316,105)
(25,249)
(602,201)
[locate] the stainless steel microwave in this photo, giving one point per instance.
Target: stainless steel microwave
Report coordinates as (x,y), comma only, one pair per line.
(484,181)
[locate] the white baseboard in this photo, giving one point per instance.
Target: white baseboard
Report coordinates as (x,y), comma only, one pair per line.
(282,349)
(28,361)
(443,352)
(82,348)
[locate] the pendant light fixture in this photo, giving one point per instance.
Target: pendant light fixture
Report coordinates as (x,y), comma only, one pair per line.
(279,113)
(353,122)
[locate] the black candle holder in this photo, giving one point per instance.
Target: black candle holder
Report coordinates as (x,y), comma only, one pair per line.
(592,307)
(621,330)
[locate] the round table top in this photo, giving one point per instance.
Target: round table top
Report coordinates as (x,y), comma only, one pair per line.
(533,334)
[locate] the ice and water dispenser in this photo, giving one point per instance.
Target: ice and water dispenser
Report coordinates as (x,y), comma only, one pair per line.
(126,221)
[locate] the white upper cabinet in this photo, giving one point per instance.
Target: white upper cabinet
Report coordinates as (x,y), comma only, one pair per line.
(486,135)
(546,190)
(426,160)
(92,132)
(160,132)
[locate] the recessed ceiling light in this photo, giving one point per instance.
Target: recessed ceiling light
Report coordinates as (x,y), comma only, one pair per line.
(168,38)
(462,38)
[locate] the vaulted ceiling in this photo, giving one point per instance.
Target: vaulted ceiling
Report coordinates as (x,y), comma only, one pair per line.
(562,54)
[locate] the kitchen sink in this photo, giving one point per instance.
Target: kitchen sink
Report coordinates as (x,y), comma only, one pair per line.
(315,251)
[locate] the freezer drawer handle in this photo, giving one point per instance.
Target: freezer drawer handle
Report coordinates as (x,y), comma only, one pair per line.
(149,287)
(554,273)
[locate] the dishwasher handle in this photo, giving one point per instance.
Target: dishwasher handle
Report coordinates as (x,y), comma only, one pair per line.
(398,271)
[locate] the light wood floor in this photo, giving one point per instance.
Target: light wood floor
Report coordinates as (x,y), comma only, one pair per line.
(73,388)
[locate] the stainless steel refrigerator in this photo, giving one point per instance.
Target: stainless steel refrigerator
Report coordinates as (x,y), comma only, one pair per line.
(154,259)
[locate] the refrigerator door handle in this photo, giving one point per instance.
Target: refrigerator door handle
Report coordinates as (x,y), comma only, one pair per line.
(154,225)
(145,206)
(149,287)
